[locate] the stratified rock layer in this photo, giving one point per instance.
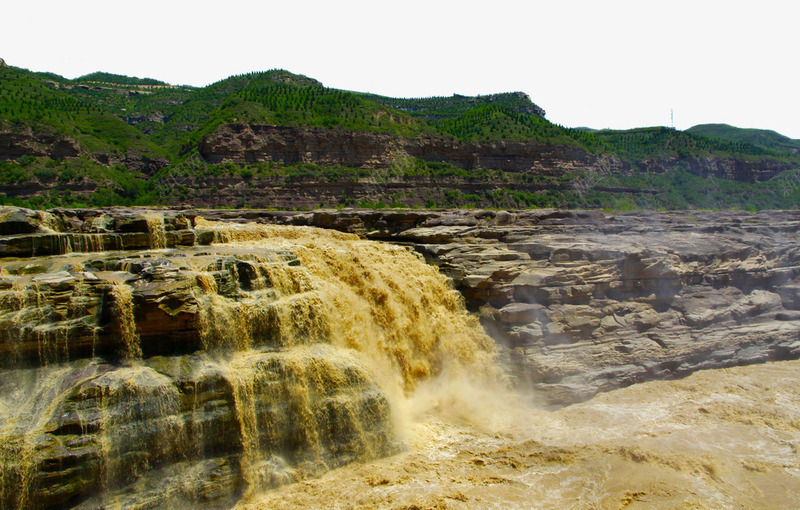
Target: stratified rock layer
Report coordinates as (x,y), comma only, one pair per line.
(592,303)
(250,143)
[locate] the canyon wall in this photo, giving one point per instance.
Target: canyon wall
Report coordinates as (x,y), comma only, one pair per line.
(27,142)
(250,143)
(377,163)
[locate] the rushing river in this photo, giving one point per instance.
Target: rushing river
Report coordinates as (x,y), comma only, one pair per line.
(717,439)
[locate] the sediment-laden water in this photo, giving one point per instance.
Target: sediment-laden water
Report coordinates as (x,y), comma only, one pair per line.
(717,439)
(295,367)
(192,377)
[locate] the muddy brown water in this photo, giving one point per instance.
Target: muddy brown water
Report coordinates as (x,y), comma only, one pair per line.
(717,439)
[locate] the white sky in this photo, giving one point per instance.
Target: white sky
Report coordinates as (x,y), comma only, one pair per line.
(616,63)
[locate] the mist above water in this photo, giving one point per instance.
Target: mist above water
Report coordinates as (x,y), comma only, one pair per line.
(717,439)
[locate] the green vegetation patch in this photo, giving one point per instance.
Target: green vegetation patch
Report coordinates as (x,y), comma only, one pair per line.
(434,108)
(636,144)
(493,123)
(764,138)
(117,79)
(27,101)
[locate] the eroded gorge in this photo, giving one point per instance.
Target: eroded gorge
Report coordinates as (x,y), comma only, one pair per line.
(197,357)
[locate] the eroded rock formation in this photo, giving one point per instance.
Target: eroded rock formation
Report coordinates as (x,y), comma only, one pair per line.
(183,359)
(592,302)
(27,142)
(249,143)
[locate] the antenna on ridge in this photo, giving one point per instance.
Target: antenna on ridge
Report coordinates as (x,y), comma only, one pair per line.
(672,118)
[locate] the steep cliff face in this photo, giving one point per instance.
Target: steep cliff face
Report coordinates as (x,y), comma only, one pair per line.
(739,169)
(379,168)
(245,143)
(526,167)
(27,142)
(249,143)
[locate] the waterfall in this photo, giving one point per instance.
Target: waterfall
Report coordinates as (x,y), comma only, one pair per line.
(123,316)
(198,375)
(156,230)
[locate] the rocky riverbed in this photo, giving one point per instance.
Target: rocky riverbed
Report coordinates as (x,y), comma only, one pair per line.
(179,328)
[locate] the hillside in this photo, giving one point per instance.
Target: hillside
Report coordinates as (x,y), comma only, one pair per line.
(765,138)
(278,139)
(433,108)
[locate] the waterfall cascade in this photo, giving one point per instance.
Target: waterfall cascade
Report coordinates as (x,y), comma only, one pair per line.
(194,375)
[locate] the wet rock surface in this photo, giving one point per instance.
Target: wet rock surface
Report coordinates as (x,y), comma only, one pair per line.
(153,378)
(577,302)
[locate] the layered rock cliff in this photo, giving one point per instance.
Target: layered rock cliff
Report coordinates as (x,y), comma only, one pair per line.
(528,167)
(377,168)
(249,143)
(592,302)
(29,142)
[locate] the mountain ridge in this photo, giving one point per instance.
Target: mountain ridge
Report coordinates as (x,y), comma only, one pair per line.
(120,138)
(761,137)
